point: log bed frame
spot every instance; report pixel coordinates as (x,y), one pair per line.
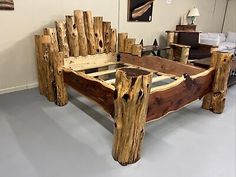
(81,52)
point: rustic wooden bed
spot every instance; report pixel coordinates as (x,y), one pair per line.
(134,90)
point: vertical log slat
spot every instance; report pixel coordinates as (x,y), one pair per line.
(89,30)
(113,40)
(121,41)
(106,36)
(99,45)
(137,50)
(129,42)
(79,21)
(72,35)
(62,38)
(215,100)
(52,32)
(61,97)
(130,103)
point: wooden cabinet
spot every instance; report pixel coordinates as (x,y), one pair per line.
(186,27)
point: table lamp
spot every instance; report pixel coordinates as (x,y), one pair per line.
(193,13)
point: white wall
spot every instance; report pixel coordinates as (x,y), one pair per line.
(17,57)
(230,20)
(166,16)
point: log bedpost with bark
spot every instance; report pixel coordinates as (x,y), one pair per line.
(215,101)
(61,97)
(130,103)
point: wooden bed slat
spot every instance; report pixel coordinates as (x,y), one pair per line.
(160,78)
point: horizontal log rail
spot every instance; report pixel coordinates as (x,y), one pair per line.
(171,97)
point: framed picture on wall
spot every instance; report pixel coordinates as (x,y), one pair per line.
(140,10)
(6,5)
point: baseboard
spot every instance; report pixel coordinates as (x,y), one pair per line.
(18,88)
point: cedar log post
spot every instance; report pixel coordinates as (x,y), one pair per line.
(99,46)
(215,101)
(130,103)
(121,41)
(129,42)
(61,97)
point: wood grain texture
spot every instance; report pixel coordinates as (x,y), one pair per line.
(61,97)
(106,26)
(72,35)
(79,21)
(183,91)
(130,102)
(52,32)
(129,42)
(98,33)
(92,88)
(113,40)
(215,101)
(121,41)
(62,38)
(161,65)
(89,31)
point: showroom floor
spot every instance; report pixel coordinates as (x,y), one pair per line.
(39,139)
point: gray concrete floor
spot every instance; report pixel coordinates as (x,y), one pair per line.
(39,139)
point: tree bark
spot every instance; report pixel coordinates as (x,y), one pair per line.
(99,45)
(62,38)
(79,21)
(106,36)
(215,101)
(72,35)
(130,103)
(113,40)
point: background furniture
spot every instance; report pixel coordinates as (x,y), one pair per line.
(190,38)
(225,41)
(186,27)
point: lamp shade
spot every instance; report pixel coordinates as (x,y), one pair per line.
(194,12)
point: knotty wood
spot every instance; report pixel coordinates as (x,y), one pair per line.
(161,65)
(121,41)
(89,31)
(61,97)
(72,35)
(137,50)
(62,38)
(113,40)
(170,37)
(106,36)
(52,32)
(98,33)
(177,94)
(215,100)
(129,42)
(92,88)
(130,102)
(79,21)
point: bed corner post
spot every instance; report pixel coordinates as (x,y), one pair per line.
(61,97)
(130,102)
(215,101)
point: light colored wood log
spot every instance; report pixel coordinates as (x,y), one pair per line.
(129,42)
(52,32)
(106,26)
(121,41)
(130,102)
(61,97)
(79,21)
(45,70)
(113,40)
(99,45)
(89,31)
(170,37)
(79,63)
(39,56)
(184,55)
(215,100)
(137,50)
(62,38)
(72,35)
